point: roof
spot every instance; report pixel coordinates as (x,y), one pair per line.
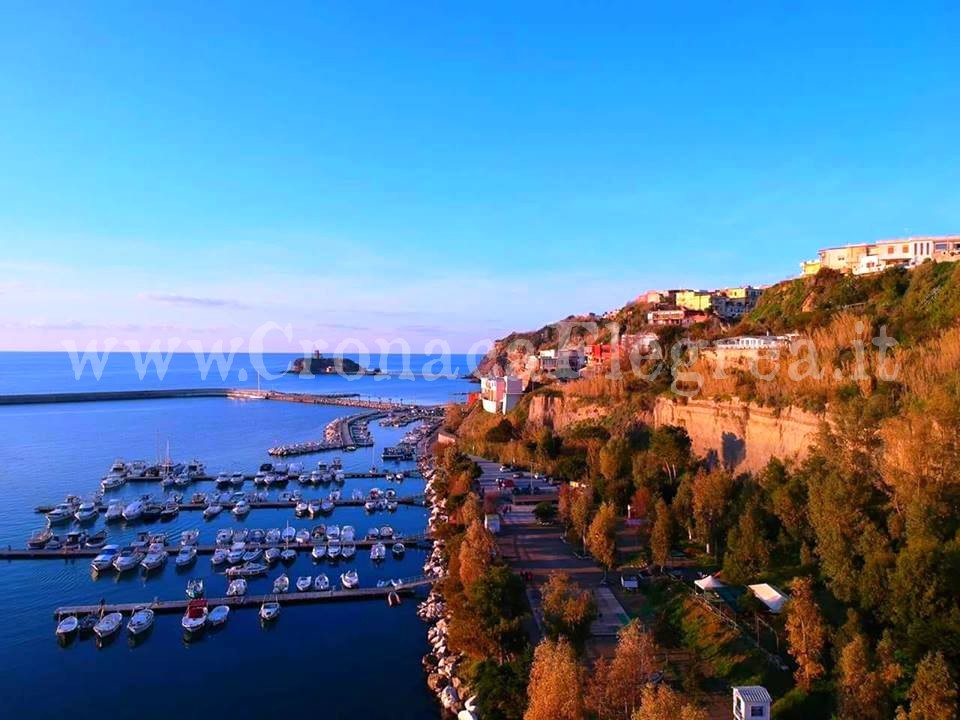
(755,694)
(708,583)
(769,596)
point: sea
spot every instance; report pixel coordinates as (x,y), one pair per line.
(341,660)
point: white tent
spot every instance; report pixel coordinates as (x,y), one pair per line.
(708,583)
(769,596)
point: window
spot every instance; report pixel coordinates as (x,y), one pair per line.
(890,250)
(756,711)
(906,248)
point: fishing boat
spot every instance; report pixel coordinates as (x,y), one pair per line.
(155,558)
(272,554)
(61,513)
(127,559)
(288,534)
(211,511)
(140,621)
(378,552)
(333,549)
(269,611)
(218,616)
(114,511)
(195,616)
(350,579)
(398,549)
(321,583)
(319,551)
(67,626)
(107,625)
(288,555)
(104,561)
(133,511)
(97,540)
(348,550)
(241,509)
(219,557)
(39,538)
(186,556)
(86,512)
(304,583)
(281,584)
(237,587)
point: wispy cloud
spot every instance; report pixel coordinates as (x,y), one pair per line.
(192,301)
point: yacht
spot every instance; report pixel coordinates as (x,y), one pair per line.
(398,549)
(96,541)
(195,616)
(301,508)
(104,560)
(347,533)
(281,584)
(39,538)
(378,552)
(223,480)
(108,625)
(235,555)
(186,556)
(224,536)
(140,621)
(133,511)
(74,540)
(112,482)
(350,579)
(195,469)
(272,554)
(319,551)
(236,480)
(288,555)
(313,507)
(321,583)
(114,511)
(127,559)
(241,509)
(303,536)
(67,626)
(237,587)
(219,556)
(211,511)
(348,550)
(119,467)
(156,557)
(195,588)
(218,616)
(269,611)
(304,583)
(61,513)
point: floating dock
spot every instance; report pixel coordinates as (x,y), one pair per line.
(413,500)
(249,478)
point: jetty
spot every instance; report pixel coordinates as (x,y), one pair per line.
(413,500)
(402,587)
(248,478)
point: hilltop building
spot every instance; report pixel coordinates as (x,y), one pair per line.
(500,394)
(867,258)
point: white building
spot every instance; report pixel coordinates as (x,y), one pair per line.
(751,701)
(500,394)
(752,342)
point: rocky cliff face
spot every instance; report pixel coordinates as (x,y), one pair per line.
(741,436)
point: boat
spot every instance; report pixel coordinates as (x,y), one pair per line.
(87,512)
(195,616)
(235,555)
(378,552)
(347,533)
(237,587)
(224,536)
(398,549)
(321,583)
(169,510)
(373,533)
(253,553)
(301,508)
(272,536)
(140,621)
(187,554)
(390,494)
(313,507)
(156,557)
(219,557)
(107,625)
(61,513)
(350,579)
(247,570)
(348,550)
(288,555)
(218,616)
(333,549)
(67,626)
(189,537)
(271,554)
(269,611)
(112,481)
(97,540)
(127,559)
(119,467)
(241,509)
(236,480)
(241,535)
(303,536)
(87,623)
(370,505)
(281,584)
(304,583)
(104,560)
(39,538)
(288,534)
(54,543)
(195,588)
(392,505)
(211,511)
(133,511)
(74,539)
(151,511)
(386,532)
(333,532)
(319,551)
(114,511)
(327,506)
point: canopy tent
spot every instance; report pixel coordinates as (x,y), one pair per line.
(769,596)
(708,583)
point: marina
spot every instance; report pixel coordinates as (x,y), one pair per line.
(257,505)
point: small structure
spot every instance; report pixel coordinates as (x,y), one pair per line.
(500,394)
(492,523)
(751,701)
(769,596)
(629,582)
(708,583)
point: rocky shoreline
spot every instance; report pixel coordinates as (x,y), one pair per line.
(441,664)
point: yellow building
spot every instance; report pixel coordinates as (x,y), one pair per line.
(694,299)
(810,267)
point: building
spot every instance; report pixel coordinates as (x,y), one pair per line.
(867,258)
(599,353)
(694,299)
(732,304)
(568,361)
(500,394)
(751,701)
(753,342)
(676,316)
(640,343)
(810,267)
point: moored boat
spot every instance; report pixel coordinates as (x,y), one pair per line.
(104,560)
(321,583)
(195,616)
(281,584)
(195,588)
(140,621)
(304,583)
(218,616)
(67,626)
(107,625)
(186,556)
(39,538)
(237,587)
(350,579)
(270,611)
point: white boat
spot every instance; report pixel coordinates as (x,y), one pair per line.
(269,611)
(189,537)
(140,621)
(333,532)
(321,583)
(281,584)
(195,616)
(224,536)
(319,551)
(67,626)
(195,588)
(288,555)
(347,533)
(288,534)
(156,557)
(39,538)
(237,587)
(253,553)
(313,507)
(133,511)
(211,511)
(127,559)
(304,583)
(112,481)
(235,555)
(327,506)
(119,467)
(273,536)
(218,616)
(241,509)
(114,511)
(398,549)
(187,554)
(247,570)
(373,533)
(370,505)
(301,508)
(303,536)
(104,560)
(219,556)
(61,513)
(271,554)
(236,480)
(350,579)
(87,511)
(333,549)
(386,532)
(348,550)
(378,552)
(392,505)
(108,625)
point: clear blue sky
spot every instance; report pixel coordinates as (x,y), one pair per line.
(449,169)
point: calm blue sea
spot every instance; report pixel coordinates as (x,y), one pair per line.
(342,659)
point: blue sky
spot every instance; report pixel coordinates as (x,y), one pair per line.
(444,169)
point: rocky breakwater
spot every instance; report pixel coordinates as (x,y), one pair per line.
(441,663)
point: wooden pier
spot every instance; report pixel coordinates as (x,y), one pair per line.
(254,601)
(411,500)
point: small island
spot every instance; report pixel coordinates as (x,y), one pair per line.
(317,364)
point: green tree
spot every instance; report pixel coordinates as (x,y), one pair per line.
(614,691)
(545,512)
(567,609)
(860,686)
(748,552)
(806,633)
(712,494)
(662,536)
(602,536)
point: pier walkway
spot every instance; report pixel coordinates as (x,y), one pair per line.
(412,500)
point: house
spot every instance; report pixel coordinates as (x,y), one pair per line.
(599,353)
(640,343)
(694,299)
(769,596)
(567,361)
(867,258)
(810,267)
(751,701)
(500,394)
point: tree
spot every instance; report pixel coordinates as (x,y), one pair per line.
(581,510)
(555,690)
(661,539)
(933,695)
(568,610)
(615,690)
(602,536)
(748,551)
(712,491)
(545,512)
(671,445)
(806,633)
(615,458)
(501,690)
(477,552)
(471,510)
(860,687)
(663,703)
